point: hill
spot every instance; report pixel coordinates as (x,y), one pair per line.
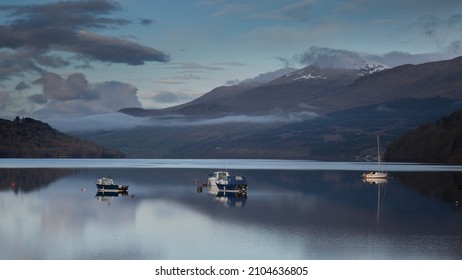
(310,113)
(31,138)
(325,90)
(439,142)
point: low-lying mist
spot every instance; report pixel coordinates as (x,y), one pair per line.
(120,121)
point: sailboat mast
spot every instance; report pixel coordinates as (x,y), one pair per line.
(378,151)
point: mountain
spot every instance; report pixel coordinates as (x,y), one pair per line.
(31,138)
(325,90)
(291,92)
(439,142)
(310,113)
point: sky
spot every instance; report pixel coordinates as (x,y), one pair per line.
(68,59)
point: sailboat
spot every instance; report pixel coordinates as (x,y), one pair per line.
(379,174)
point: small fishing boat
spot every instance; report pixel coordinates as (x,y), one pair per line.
(107,184)
(232,184)
(223,181)
(215,176)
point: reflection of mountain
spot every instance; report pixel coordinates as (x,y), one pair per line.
(443,186)
(30,179)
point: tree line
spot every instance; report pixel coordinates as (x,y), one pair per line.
(26,137)
(439,142)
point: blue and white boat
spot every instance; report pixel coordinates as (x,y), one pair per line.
(107,184)
(232,183)
(223,181)
(215,176)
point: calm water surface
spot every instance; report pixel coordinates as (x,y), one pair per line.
(293,210)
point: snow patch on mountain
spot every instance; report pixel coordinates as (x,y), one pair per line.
(310,76)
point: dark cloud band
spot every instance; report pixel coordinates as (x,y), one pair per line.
(70,26)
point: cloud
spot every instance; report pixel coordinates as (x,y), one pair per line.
(330,58)
(17,62)
(396,58)
(65,26)
(166,97)
(191,66)
(443,31)
(75,96)
(145,21)
(278,116)
(299,10)
(111,49)
(38,98)
(21,86)
(295,11)
(58,88)
(114,121)
(4,96)
(234,10)
(99,122)
(340,58)
(263,78)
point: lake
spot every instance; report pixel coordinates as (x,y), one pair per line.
(300,210)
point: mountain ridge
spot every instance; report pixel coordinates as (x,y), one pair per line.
(310,113)
(324,90)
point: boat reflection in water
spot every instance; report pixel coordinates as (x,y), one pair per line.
(380,182)
(229,198)
(107,196)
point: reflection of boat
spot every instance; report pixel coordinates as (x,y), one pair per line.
(379,174)
(107,184)
(228,198)
(107,196)
(379,182)
(217,175)
(232,199)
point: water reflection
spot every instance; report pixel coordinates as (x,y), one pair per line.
(231,199)
(107,197)
(291,214)
(444,186)
(31,179)
(379,182)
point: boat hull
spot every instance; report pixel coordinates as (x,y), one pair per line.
(375,175)
(232,183)
(112,187)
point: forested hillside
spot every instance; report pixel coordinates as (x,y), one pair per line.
(27,137)
(439,142)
